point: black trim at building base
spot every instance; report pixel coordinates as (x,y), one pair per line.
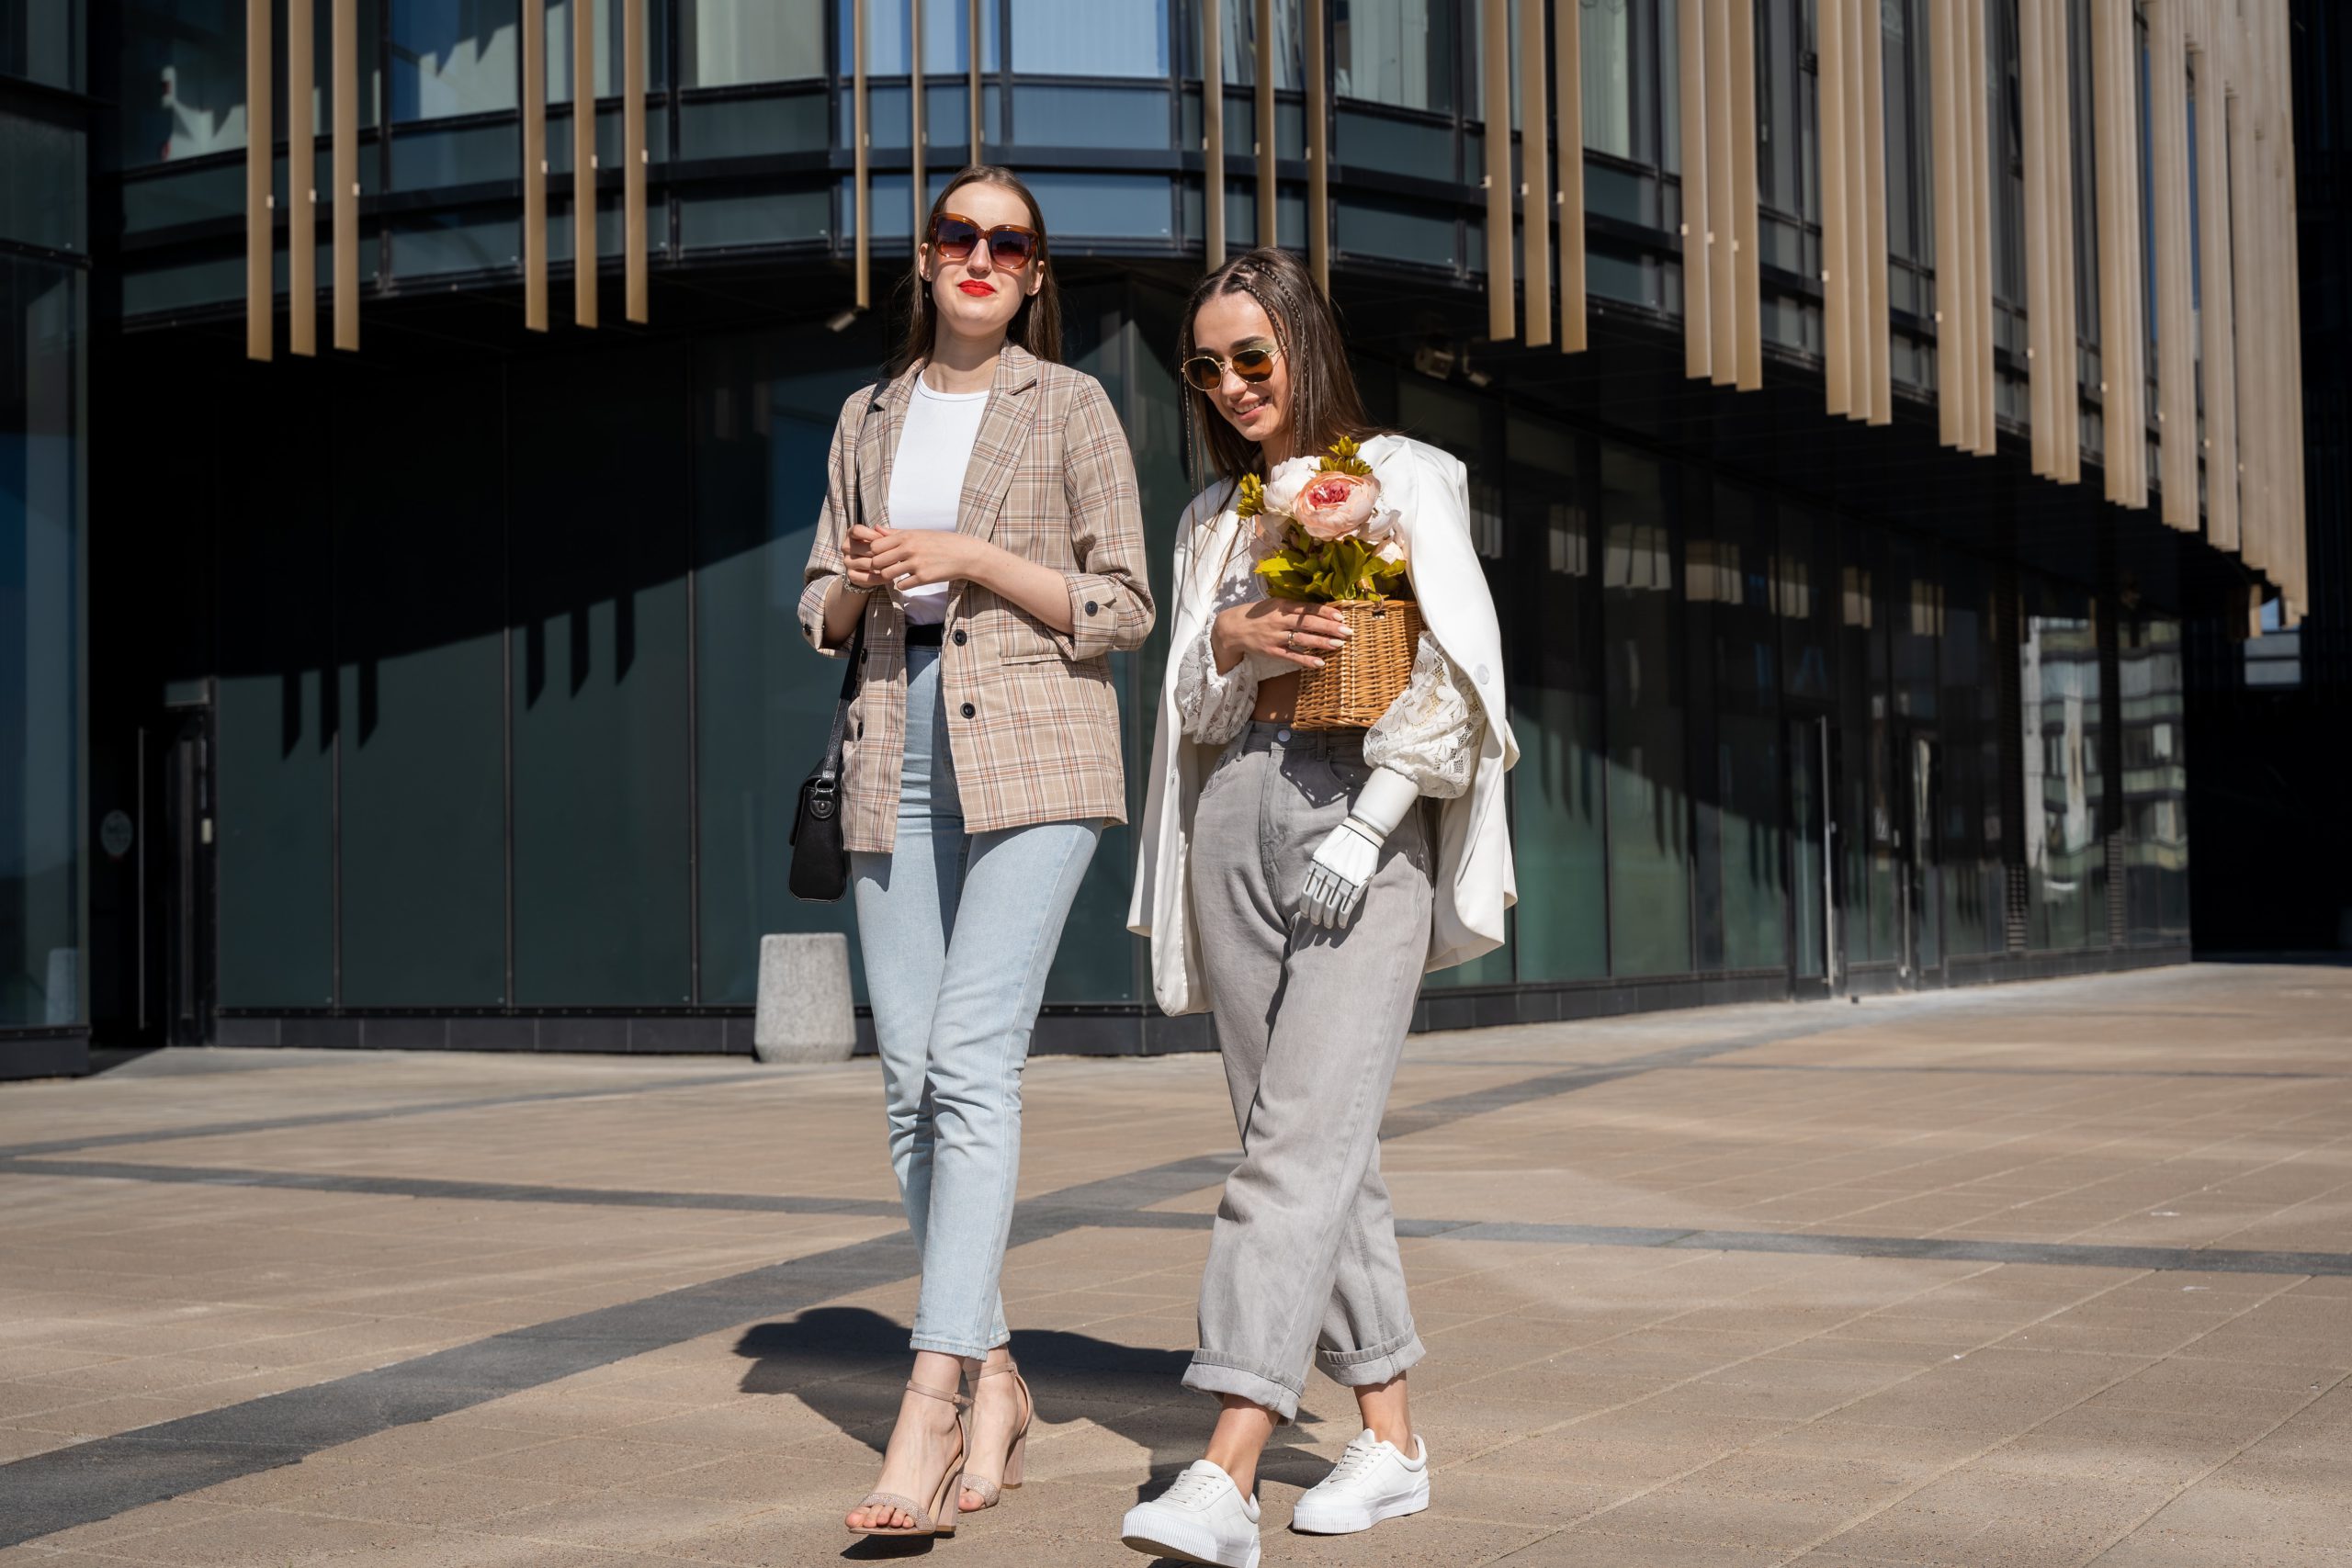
(1137,1029)
(44,1054)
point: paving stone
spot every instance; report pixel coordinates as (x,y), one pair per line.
(648,1328)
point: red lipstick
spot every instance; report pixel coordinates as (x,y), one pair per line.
(976,287)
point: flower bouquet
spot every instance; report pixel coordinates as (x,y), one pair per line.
(1322,536)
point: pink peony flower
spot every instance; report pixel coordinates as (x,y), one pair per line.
(1332,506)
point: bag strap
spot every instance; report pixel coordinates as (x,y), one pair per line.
(829,770)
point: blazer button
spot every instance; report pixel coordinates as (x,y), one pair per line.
(959,639)
(969,710)
(1090,607)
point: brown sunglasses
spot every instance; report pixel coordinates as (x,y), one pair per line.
(1254,364)
(1012,247)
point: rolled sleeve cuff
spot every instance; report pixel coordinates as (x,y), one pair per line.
(1099,611)
(812,615)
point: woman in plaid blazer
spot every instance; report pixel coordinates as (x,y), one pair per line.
(981,528)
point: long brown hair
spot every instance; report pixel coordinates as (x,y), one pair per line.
(1036,326)
(1324,403)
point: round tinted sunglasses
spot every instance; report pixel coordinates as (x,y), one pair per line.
(1207,371)
(1010,246)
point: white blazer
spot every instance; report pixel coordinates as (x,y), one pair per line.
(1474,881)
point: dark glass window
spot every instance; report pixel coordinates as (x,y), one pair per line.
(42,335)
(1969,836)
(1649,826)
(420,564)
(2155,779)
(1091,38)
(1551,621)
(599,668)
(1728,585)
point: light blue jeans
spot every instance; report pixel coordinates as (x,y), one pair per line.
(958,932)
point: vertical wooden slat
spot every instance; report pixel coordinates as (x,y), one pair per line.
(1262,56)
(1495,19)
(1836,277)
(633,155)
(2176,364)
(1855,259)
(1535,172)
(2253,399)
(2068,384)
(2290,362)
(1568,43)
(1953,405)
(535,165)
(918,137)
(301,182)
(1319,152)
(1980,232)
(1876,394)
(583,162)
(1698,306)
(261,304)
(344,42)
(1747,239)
(972,34)
(1722,295)
(2035,146)
(2215,306)
(1213,131)
(2115,123)
(860,175)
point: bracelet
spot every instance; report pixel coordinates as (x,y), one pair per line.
(1362,829)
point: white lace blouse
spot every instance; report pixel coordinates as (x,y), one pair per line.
(1429,733)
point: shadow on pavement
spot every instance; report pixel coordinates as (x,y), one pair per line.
(836,1361)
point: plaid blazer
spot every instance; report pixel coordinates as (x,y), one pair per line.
(1033,721)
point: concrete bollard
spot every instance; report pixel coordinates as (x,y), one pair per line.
(804,1009)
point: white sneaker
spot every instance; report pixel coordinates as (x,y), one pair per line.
(1202,1519)
(1372,1482)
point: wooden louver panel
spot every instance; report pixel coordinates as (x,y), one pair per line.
(301,193)
(1535,168)
(1263,57)
(1567,43)
(2169,186)
(583,163)
(1964,221)
(343,43)
(2115,129)
(535,165)
(2055,400)
(1698,337)
(1213,133)
(1721,301)
(261,302)
(1496,19)
(1319,156)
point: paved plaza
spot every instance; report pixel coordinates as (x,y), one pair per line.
(2045,1274)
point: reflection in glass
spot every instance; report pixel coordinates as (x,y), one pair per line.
(1728,582)
(1606,74)
(946,36)
(2058,677)
(183,79)
(1545,600)
(1969,833)
(42,324)
(1399,52)
(453,56)
(1649,845)
(2155,779)
(1091,38)
(724,43)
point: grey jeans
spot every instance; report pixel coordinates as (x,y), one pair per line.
(1311,1023)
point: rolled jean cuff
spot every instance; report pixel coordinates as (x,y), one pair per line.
(969,1349)
(1212,1373)
(1370,1369)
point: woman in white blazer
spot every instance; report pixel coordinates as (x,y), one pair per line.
(1297,884)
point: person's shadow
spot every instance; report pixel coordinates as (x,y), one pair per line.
(848,1365)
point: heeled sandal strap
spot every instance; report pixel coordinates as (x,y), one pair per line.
(1010,1366)
(954,1398)
(907,1506)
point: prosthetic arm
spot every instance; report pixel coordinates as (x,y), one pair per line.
(1342,865)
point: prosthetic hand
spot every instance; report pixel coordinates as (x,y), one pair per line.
(1343,864)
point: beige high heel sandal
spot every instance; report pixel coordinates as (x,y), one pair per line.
(991,1492)
(946,1502)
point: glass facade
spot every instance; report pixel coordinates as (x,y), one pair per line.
(508,720)
(44,317)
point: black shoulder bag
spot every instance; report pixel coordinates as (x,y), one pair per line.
(819,864)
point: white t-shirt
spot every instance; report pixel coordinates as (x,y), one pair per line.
(927,478)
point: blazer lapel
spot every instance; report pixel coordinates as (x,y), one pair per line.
(1005,424)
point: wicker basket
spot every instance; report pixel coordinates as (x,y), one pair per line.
(1356,684)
